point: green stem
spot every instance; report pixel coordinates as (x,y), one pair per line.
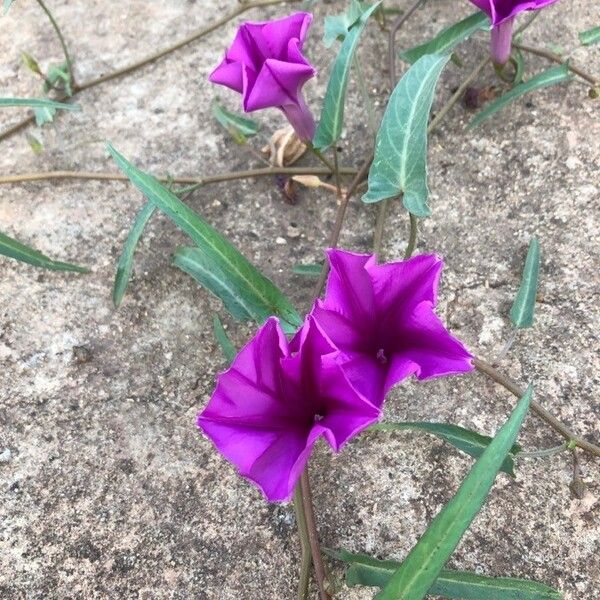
(304,545)
(412,239)
(61,39)
(378,233)
(320,156)
(336,170)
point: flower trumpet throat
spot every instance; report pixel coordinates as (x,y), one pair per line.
(266,65)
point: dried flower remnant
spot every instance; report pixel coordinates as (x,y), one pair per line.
(382,319)
(284,148)
(276,400)
(266,65)
(502,14)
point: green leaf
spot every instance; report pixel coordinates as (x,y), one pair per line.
(44,115)
(421,567)
(447,39)
(519,63)
(15,249)
(216,263)
(37,103)
(400,163)
(35,144)
(308,270)
(240,128)
(7,4)
(465,440)
(31,63)
(368,571)
(590,36)
(223,340)
(337,26)
(523,308)
(552,76)
(57,74)
(125,264)
(329,129)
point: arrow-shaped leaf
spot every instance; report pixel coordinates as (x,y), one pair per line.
(447,39)
(523,308)
(400,163)
(420,569)
(465,440)
(329,129)
(215,262)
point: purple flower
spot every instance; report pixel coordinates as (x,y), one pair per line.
(381,317)
(502,14)
(265,64)
(276,400)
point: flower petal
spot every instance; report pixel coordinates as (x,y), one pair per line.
(400,286)
(502,10)
(279,32)
(276,84)
(428,344)
(349,287)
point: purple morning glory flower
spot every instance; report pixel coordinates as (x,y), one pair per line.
(276,400)
(502,14)
(265,64)
(381,317)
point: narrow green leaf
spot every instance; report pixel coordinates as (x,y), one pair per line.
(519,62)
(15,249)
(368,571)
(337,26)
(329,129)
(31,63)
(308,270)
(400,163)
(240,128)
(217,263)
(35,144)
(223,340)
(421,567)
(37,103)
(552,76)
(590,36)
(523,308)
(447,39)
(7,4)
(125,264)
(465,440)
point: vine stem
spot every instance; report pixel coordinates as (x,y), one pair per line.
(558,59)
(61,39)
(126,70)
(196,181)
(339,221)
(305,560)
(313,536)
(484,367)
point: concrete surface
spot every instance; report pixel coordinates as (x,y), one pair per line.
(107,490)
